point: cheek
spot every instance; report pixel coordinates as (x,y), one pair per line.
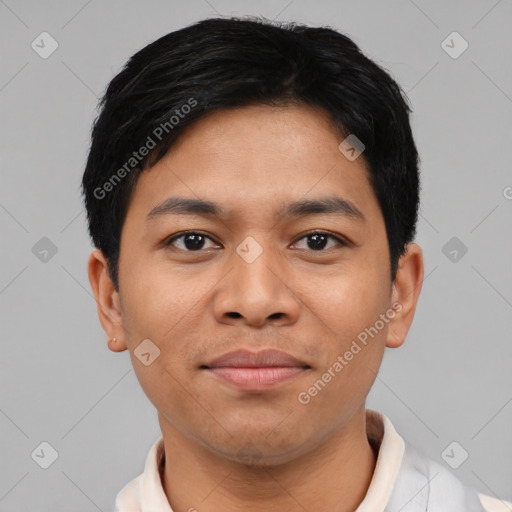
(152,309)
(167,306)
(353,352)
(346,302)
(156,300)
(346,316)
(335,395)
(169,391)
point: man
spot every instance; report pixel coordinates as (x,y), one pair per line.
(252,191)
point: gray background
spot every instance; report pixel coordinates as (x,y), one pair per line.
(59,383)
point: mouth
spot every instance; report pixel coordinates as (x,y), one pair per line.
(256,371)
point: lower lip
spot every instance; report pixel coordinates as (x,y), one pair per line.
(256,379)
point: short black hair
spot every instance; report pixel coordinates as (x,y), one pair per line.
(222,63)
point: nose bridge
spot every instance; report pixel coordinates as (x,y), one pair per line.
(256,266)
(256,287)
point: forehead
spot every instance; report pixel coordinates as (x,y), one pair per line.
(255,161)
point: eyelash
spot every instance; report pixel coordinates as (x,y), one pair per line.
(169,241)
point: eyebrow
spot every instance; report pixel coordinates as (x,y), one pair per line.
(303,207)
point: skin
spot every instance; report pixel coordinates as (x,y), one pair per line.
(309,303)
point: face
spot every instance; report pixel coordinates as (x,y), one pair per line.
(256,277)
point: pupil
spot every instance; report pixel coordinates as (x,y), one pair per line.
(318,245)
(194,241)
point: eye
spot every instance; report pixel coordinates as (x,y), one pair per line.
(319,239)
(194,241)
(191,241)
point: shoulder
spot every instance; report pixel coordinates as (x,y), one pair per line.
(436,488)
(491,504)
(128,497)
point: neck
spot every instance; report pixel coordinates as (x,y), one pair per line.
(335,476)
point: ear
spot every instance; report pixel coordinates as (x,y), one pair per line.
(405,293)
(107,301)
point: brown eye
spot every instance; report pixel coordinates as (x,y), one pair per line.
(190,241)
(318,240)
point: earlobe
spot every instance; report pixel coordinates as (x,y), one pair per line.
(405,293)
(116,345)
(107,300)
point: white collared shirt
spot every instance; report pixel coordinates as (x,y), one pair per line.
(398,482)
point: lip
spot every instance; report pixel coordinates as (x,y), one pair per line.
(256,371)
(267,358)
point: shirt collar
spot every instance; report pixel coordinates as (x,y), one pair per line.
(145,493)
(382,434)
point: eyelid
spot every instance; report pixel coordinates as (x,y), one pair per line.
(338,238)
(168,241)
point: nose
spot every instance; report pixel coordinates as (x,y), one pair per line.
(256,293)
